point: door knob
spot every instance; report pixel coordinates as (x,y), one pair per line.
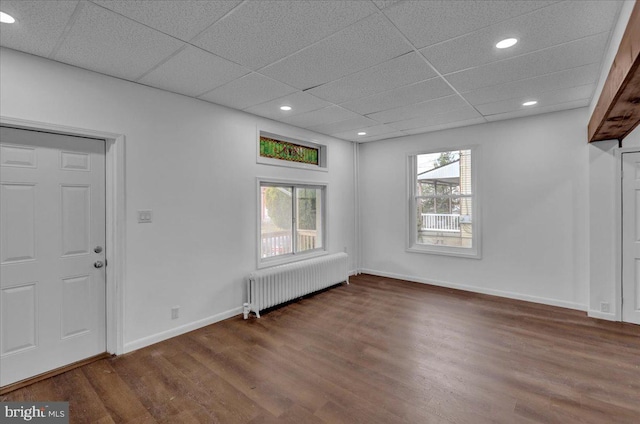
(98,249)
(98,264)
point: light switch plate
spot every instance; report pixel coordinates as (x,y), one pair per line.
(145,217)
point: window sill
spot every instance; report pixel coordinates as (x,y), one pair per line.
(283,260)
(472,253)
(287,164)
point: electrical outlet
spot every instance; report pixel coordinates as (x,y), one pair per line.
(145,217)
(604,307)
(175,312)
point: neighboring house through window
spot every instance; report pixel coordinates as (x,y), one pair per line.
(444,216)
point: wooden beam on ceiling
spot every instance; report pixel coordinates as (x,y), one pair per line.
(617,112)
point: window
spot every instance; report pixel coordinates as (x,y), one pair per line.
(274,149)
(444,217)
(283,150)
(291,221)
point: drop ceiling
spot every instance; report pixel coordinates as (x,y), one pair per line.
(387,68)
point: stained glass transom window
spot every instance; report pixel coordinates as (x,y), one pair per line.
(283,150)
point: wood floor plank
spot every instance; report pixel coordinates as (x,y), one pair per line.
(241,375)
(224,402)
(84,403)
(159,388)
(119,399)
(46,389)
(377,350)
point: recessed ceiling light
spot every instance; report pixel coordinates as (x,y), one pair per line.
(530,103)
(362,133)
(506,43)
(6,19)
(285,107)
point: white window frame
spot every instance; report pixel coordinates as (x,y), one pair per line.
(294,256)
(322,152)
(474,251)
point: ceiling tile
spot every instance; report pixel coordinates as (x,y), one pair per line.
(383,4)
(335,61)
(537,111)
(441,105)
(403,70)
(260,32)
(38,27)
(360,46)
(543,99)
(299,102)
(403,96)
(570,55)
(462,114)
(106,42)
(440,127)
(346,125)
(387,136)
(573,77)
(430,22)
(535,31)
(192,72)
(326,115)
(371,131)
(182,19)
(248,91)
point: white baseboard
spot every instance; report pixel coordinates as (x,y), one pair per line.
(602,315)
(500,293)
(173,332)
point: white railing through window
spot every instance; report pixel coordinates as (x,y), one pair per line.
(279,243)
(440,222)
(276,243)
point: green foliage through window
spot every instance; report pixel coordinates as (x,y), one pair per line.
(278,202)
(283,150)
(306,209)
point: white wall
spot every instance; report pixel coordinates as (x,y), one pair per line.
(194,165)
(534,197)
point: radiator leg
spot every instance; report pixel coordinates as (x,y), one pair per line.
(245,310)
(257,314)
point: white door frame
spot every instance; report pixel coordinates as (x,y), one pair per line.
(115,220)
(618,218)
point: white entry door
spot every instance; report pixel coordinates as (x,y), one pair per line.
(631,237)
(52,240)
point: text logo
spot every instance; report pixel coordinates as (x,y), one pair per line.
(35,412)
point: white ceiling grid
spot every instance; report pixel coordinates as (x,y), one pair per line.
(386,67)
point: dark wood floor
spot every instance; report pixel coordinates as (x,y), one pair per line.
(376,351)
